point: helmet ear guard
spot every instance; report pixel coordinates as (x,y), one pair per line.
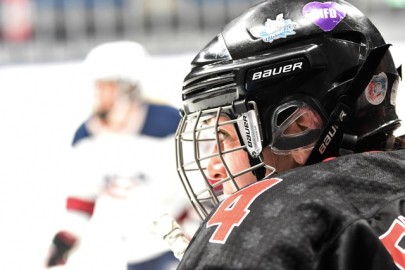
(296,123)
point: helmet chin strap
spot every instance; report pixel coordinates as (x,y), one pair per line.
(260,172)
(336,138)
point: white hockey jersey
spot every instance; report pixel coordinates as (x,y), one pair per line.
(119,185)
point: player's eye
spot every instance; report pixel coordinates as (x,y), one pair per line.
(223,135)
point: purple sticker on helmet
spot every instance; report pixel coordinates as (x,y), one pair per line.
(325,15)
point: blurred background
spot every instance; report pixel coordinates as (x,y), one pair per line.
(59,30)
(47,30)
(44,96)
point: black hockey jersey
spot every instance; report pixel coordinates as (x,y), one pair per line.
(344,214)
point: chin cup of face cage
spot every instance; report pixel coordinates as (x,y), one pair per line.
(295,126)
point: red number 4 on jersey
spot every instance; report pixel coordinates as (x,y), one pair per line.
(234,209)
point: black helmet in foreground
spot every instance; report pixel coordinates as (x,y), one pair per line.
(277,61)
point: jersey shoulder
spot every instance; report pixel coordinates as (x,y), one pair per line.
(312,204)
(161,120)
(81,133)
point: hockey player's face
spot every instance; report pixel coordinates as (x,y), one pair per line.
(106,95)
(233,160)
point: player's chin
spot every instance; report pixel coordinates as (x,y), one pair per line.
(218,188)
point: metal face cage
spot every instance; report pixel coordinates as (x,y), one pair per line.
(200,140)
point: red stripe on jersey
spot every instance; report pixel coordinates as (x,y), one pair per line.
(81,205)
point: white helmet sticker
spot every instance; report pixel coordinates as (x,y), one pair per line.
(275,29)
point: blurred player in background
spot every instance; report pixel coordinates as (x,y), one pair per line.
(117,70)
(116,190)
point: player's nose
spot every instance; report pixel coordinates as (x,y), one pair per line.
(215,169)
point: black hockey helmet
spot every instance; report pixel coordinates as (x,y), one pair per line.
(280,57)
